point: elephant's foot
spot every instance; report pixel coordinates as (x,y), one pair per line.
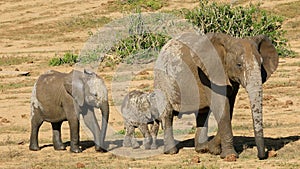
(130,142)
(34,147)
(75,148)
(202,148)
(135,144)
(154,146)
(229,154)
(146,143)
(127,141)
(100,149)
(170,147)
(208,146)
(59,146)
(172,150)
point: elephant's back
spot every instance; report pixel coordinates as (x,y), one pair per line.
(49,83)
(136,108)
(49,92)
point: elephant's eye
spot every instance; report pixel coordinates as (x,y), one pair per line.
(239,65)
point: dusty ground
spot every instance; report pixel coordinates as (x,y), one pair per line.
(34,31)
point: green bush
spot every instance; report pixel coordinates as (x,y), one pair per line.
(150,4)
(239,22)
(68,58)
(127,48)
(140,46)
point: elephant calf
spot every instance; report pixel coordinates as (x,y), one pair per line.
(58,97)
(140,109)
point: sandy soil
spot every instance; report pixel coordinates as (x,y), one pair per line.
(32,32)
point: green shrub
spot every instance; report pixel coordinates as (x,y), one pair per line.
(68,58)
(239,22)
(127,48)
(121,132)
(140,46)
(149,4)
(154,4)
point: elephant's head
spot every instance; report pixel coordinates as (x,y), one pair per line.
(241,57)
(89,90)
(86,88)
(249,62)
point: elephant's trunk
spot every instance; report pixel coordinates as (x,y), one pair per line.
(254,89)
(105,115)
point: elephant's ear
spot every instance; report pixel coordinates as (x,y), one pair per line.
(74,86)
(207,56)
(269,55)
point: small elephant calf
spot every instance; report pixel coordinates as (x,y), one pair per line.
(140,109)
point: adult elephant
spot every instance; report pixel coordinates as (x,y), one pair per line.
(57,97)
(202,73)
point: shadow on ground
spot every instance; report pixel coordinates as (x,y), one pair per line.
(84,144)
(242,142)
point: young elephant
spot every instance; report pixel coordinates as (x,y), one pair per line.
(58,97)
(140,109)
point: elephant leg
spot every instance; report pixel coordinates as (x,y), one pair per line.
(147,137)
(129,140)
(216,141)
(214,145)
(202,145)
(154,131)
(169,142)
(36,122)
(74,132)
(224,135)
(104,123)
(201,138)
(57,142)
(92,123)
(232,97)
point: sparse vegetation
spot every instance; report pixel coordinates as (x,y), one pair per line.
(289,9)
(68,58)
(130,5)
(141,46)
(297,64)
(21,84)
(126,49)
(12,60)
(121,132)
(82,23)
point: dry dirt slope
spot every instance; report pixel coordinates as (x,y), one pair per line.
(32,31)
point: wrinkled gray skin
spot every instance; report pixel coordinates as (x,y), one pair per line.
(203,74)
(58,97)
(140,109)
